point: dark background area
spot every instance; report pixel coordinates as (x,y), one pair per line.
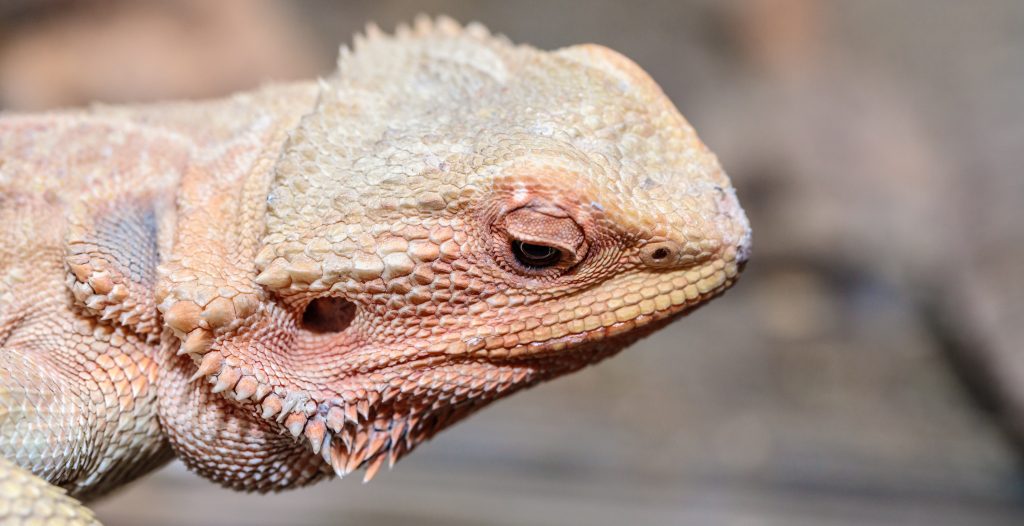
(867,369)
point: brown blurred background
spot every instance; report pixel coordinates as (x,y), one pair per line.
(866,371)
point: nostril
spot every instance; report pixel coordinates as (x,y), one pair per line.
(660,254)
(327,315)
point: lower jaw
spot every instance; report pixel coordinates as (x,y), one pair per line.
(372,420)
(572,340)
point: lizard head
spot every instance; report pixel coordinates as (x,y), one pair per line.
(459,218)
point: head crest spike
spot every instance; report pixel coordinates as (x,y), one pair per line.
(403,31)
(344,53)
(422,24)
(358,41)
(373,31)
(477,30)
(447,26)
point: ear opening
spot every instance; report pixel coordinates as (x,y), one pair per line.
(328,315)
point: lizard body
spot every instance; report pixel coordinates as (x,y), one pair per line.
(310,279)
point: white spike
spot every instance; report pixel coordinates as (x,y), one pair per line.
(403,31)
(447,26)
(290,401)
(373,31)
(423,25)
(477,30)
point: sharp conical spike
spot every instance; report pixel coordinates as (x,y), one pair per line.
(315,431)
(373,467)
(335,418)
(389,394)
(272,405)
(339,458)
(362,438)
(354,460)
(211,363)
(227,379)
(326,443)
(397,430)
(346,438)
(295,422)
(198,341)
(395,453)
(377,443)
(326,450)
(262,390)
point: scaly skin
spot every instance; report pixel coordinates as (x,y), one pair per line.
(311,279)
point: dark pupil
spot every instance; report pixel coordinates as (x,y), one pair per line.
(533,255)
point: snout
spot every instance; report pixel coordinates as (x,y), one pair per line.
(743,250)
(737,226)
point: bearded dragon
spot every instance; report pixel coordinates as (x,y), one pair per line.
(313,278)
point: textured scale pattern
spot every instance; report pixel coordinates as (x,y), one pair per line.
(312,279)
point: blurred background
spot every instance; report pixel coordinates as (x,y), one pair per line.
(866,371)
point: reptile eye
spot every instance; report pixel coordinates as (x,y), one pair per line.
(539,241)
(534,256)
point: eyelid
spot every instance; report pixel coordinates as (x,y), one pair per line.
(537,227)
